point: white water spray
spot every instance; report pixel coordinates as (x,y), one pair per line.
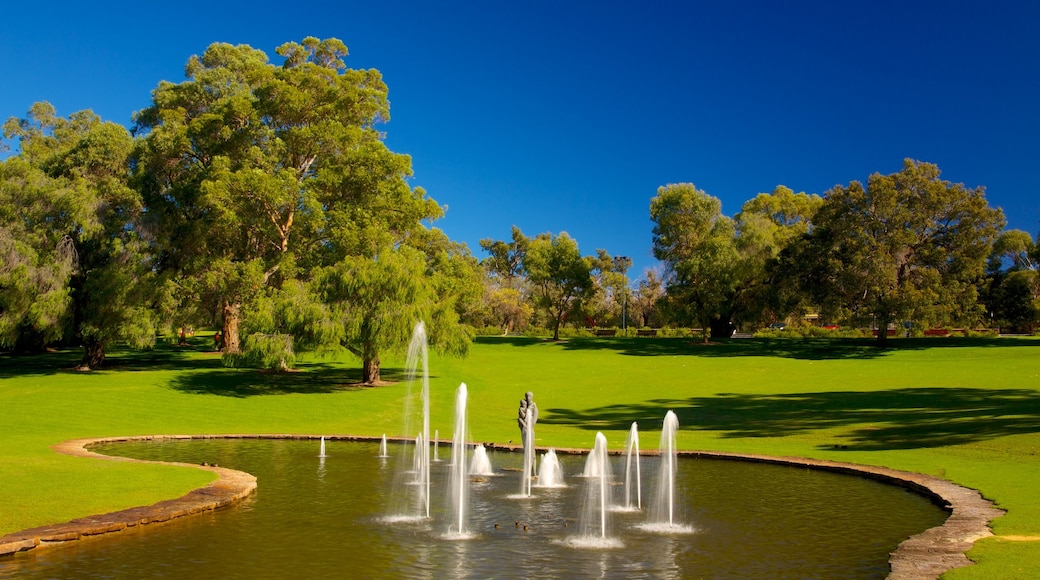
(550,472)
(481,463)
(632,460)
(459,489)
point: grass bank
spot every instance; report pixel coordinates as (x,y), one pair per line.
(964,409)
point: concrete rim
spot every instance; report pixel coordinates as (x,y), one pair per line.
(925,555)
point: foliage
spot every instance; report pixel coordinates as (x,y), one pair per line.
(74,261)
(560,277)
(765,225)
(257,174)
(908,246)
(695,241)
(1012,290)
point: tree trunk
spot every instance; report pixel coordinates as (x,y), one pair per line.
(93,355)
(882,333)
(370,370)
(229,329)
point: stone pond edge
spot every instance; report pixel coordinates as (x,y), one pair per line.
(925,555)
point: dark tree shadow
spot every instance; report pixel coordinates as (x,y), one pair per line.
(311,378)
(893,419)
(794,348)
(164,356)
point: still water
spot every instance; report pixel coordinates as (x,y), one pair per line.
(317,517)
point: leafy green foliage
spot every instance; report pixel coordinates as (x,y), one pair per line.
(695,241)
(908,246)
(75,263)
(560,277)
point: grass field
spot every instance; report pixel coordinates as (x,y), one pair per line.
(964,409)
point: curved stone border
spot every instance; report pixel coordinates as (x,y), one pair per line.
(231,486)
(925,555)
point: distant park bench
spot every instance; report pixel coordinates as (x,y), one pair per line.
(646,332)
(937,332)
(606,331)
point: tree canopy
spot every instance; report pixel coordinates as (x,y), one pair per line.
(75,263)
(696,243)
(907,247)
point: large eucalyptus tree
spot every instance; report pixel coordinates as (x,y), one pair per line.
(266,182)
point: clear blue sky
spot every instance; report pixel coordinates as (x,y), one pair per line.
(567,116)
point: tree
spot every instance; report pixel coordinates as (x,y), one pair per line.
(506,294)
(559,275)
(611,293)
(73,234)
(907,247)
(256,175)
(695,242)
(505,261)
(766,225)
(1012,291)
(1017,247)
(36,262)
(645,299)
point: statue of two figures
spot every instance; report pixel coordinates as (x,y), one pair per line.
(527,416)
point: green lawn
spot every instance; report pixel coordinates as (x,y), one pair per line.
(965,409)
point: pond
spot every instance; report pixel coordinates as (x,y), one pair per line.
(317,517)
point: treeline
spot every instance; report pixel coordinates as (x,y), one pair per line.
(906,252)
(261,200)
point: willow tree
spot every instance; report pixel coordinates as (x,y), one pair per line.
(74,264)
(695,242)
(909,246)
(256,174)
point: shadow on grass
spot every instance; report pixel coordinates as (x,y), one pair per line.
(795,348)
(894,419)
(313,378)
(164,356)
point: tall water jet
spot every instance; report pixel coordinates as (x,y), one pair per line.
(459,488)
(550,473)
(321,449)
(418,363)
(662,515)
(436,444)
(593,521)
(632,460)
(382,446)
(481,463)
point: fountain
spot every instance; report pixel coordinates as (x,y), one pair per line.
(410,495)
(593,525)
(382,447)
(459,488)
(662,515)
(480,465)
(436,444)
(550,473)
(748,529)
(632,452)
(321,449)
